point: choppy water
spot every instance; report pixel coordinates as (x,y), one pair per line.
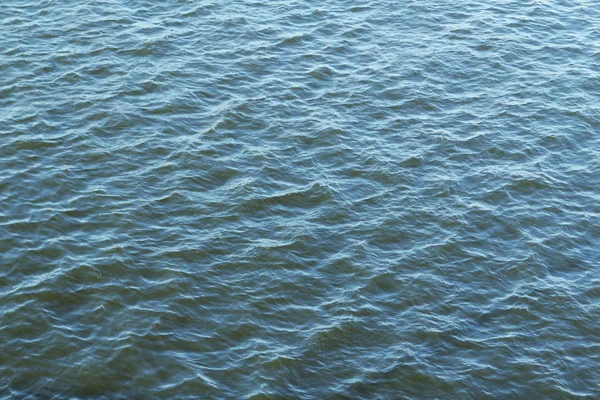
(300,199)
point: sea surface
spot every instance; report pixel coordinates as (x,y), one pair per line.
(292,199)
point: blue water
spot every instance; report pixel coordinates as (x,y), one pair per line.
(300,199)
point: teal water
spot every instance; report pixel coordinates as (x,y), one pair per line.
(300,199)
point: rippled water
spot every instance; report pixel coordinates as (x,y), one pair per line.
(300,199)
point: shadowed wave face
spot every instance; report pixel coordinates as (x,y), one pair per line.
(300,199)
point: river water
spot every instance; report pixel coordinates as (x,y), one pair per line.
(300,199)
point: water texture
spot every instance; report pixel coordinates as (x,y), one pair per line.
(300,199)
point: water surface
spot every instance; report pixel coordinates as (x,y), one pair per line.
(300,199)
